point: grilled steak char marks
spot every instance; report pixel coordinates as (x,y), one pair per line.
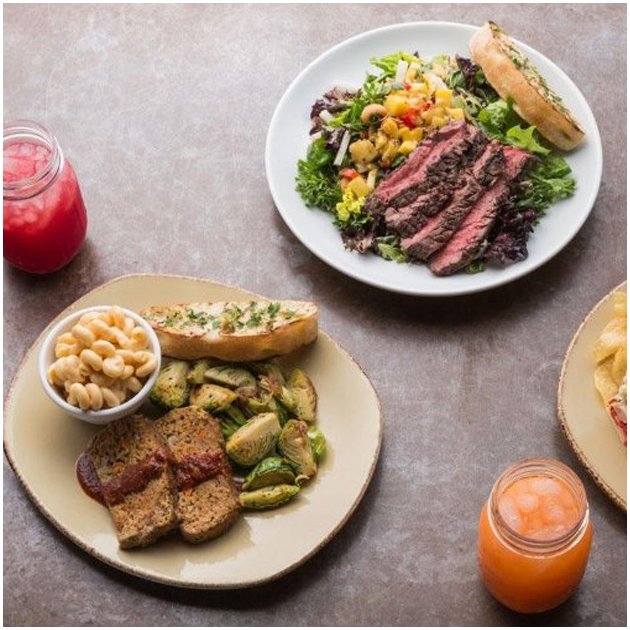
(402,185)
(466,243)
(439,228)
(410,208)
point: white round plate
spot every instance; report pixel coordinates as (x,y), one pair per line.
(42,444)
(581,413)
(347,63)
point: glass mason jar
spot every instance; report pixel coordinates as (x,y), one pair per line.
(44,214)
(534,536)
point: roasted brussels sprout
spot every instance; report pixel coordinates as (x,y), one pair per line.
(269,369)
(230,376)
(287,398)
(270,376)
(318,442)
(295,446)
(304,394)
(195,375)
(246,392)
(253,440)
(171,388)
(264,404)
(267,498)
(267,403)
(271,471)
(212,398)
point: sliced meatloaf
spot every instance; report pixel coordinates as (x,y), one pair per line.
(208,502)
(439,228)
(437,153)
(131,462)
(465,244)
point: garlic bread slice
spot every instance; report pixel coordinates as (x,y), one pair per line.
(233,331)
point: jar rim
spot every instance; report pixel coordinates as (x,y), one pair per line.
(544,467)
(34,184)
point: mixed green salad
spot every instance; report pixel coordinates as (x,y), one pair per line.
(359,137)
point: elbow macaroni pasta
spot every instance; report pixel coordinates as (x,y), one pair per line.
(102,361)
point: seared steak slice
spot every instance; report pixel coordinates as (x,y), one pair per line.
(440,149)
(410,218)
(444,168)
(438,229)
(410,209)
(465,244)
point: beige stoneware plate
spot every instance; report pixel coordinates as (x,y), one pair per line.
(581,413)
(42,445)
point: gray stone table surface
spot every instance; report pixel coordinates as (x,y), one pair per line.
(163,111)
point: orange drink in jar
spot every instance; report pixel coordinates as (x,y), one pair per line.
(534,536)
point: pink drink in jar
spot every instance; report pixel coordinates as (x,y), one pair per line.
(44,215)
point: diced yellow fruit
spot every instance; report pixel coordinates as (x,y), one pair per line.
(417,133)
(410,134)
(359,187)
(431,113)
(407,147)
(390,151)
(438,121)
(363,151)
(381,140)
(455,114)
(396,105)
(443,93)
(443,97)
(402,133)
(389,127)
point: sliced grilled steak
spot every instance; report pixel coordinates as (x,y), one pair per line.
(410,218)
(465,244)
(409,211)
(441,151)
(438,229)
(443,168)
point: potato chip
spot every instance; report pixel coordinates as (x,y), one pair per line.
(619,366)
(612,338)
(604,382)
(621,305)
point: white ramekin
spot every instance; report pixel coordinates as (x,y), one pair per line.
(104,416)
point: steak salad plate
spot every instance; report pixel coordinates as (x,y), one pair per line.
(400,53)
(43,442)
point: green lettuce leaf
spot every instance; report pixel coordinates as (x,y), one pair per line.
(524,138)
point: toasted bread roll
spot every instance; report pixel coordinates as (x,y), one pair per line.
(233,331)
(513,75)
